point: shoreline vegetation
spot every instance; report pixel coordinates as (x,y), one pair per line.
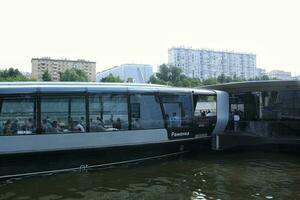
(166,75)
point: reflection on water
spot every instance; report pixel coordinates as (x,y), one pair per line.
(204,176)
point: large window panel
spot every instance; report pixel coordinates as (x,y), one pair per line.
(63,114)
(96,114)
(178,110)
(205,106)
(17,116)
(108,112)
(145,112)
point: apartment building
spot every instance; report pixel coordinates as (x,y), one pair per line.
(280,74)
(55,66)
(204,63)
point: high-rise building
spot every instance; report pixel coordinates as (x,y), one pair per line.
(55,66)
(280,74)
(137,73)
(203,63)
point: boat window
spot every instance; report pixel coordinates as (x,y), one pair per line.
(178,110)
(205,106)
(108,112)
(145,112)
(17,116)
(280,105)
(63,114)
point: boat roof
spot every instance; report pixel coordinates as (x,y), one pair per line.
(91,87)
(255,86)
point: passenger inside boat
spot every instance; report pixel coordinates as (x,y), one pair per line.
(55,127)
(175,120)
(136,124)
(7,130)
(78,127)
(117,124)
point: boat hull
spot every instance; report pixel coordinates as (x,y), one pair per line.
(25,164)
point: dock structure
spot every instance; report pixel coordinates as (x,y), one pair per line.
(262,114)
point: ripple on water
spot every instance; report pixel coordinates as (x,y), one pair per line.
(215,176)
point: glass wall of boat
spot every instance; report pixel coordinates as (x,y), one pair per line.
(269,113)
(32,114)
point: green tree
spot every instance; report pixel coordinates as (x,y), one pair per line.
(154,80)
(73,75)
(265,77)
(175,74)
(168,74)
(221,78)
(210,81)
(163,73)
(112,78)
(12,74)
(46,76)
(171,75)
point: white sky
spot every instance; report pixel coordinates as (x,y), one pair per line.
(114,32)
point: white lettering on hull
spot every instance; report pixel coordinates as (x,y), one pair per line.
(173,134)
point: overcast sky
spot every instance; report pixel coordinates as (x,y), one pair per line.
(114,32)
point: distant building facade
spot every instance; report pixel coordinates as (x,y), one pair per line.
(203,63)
(297,77)
(260,72)
(280,74)
(55,66)
(137,73)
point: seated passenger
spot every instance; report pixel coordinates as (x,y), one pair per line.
(55,127)
(78,127)
(82,121)
(100,125)
(209,114)
(29,125)
(117,124)
(15,126)
(46,126)
(136,124)
(175,120)
(99,121)
(7,128)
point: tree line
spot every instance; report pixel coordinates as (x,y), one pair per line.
(171,75)
(11,74)
(166,75)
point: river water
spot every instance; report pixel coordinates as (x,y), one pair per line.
(207,175)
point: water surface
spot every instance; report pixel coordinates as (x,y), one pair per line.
(209,175)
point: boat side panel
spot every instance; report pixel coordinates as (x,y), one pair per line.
(69,141)
(222,112)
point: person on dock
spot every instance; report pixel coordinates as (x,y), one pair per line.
(236,120)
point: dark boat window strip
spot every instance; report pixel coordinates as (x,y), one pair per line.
(78,108)
(87,113)
(38,114)
(18,115)
(145,112)
(129,112)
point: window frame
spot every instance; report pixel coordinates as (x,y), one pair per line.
(38,96)
(73,94)
(125,94)
(32,96)
(155,95)
(189,94)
